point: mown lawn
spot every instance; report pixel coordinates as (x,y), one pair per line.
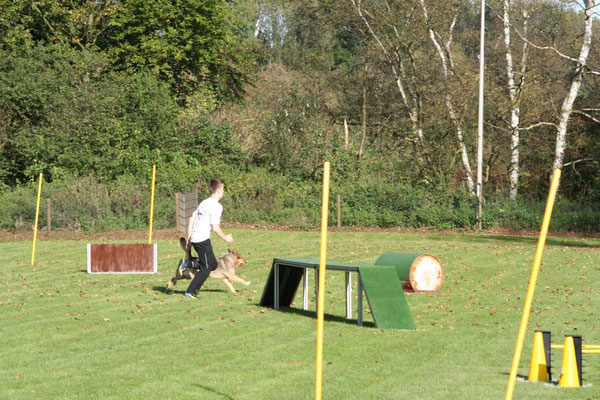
(65,334)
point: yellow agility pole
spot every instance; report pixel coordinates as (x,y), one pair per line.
(37,215)
(591,347)
(532,282)
(321,292)
(590,351)
(152,204)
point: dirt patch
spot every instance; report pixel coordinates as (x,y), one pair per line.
(423,231)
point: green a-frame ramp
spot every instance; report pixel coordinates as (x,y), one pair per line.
(386,298)
(381,284)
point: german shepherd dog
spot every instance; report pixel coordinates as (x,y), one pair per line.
(228,262)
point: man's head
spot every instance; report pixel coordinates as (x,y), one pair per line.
(216,188)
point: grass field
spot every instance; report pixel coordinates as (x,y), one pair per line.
(65,334)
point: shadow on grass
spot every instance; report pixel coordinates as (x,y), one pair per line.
(328,317)
(211,390)
(526,378)
(528,240)
(164,290)
(519,376)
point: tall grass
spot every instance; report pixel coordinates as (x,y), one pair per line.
(66,334)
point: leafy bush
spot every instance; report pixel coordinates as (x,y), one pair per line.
(69,113)
(258,196)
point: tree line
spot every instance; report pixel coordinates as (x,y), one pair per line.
(385,89)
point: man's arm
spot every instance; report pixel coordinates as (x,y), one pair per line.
(219,232)
(191,222)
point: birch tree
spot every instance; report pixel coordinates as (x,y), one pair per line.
(444,52)
(514,91)
(397,53)
(516,76)
(576,78)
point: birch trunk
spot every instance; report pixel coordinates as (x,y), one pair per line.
(448,98)
(346,141)
(514,92)
(363,139)
(567,105)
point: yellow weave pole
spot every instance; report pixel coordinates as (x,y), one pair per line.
(37,216)
(152,204)
(532,282)
(322,271)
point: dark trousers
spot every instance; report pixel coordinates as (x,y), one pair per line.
(206,263)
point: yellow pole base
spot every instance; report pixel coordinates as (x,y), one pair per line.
(569,375)
(538,368)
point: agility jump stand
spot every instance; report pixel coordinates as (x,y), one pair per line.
(571,374)
(185,205)
(383,284)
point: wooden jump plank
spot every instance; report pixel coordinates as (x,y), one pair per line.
(122,258)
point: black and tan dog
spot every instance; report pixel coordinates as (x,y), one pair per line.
(228,262)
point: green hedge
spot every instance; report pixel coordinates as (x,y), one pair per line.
(258,196)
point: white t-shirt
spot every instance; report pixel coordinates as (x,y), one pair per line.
(206,215)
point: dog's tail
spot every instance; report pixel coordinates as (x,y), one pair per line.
(184,246)
(172,283)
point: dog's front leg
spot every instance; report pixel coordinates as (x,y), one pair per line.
(229,285)
(239,280)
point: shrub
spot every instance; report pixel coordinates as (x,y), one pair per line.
(258,196)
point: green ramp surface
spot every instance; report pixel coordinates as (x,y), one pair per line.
(386,298)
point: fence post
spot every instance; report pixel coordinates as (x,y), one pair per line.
(48,215)
(177,212)
(339,211)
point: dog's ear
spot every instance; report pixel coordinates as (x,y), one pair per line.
(229,251)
